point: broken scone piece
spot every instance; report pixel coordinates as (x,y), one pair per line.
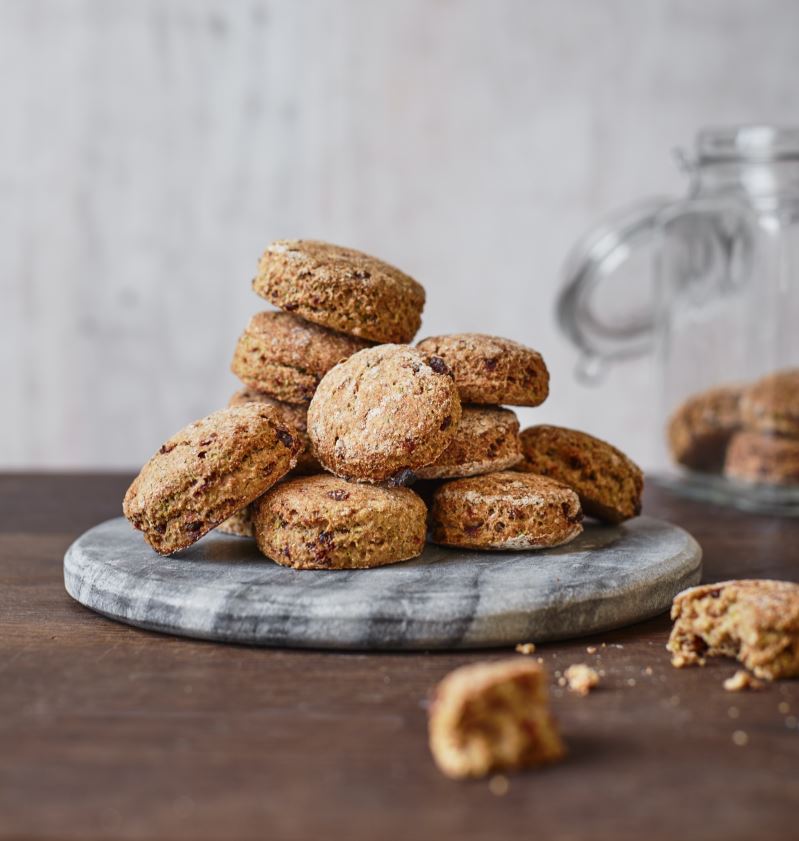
(755,621)
(492,717)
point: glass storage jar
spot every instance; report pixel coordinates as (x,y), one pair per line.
(722,320)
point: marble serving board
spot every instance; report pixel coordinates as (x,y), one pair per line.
(223,589)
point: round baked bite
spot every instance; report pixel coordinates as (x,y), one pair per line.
(238,524)
(487,440)
(206,472)
(286,357)
(772,404)
(763,459)
(383,413)
(294,415)
(700,429)
(505,511)
(608,483)
(341,288)
(491,370)
(323,522)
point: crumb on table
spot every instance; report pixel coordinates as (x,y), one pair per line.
(526,648)
(581,678)
(742,680)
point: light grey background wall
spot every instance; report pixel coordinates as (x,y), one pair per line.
(149,149)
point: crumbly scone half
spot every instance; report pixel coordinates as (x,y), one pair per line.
(762,458)
(323,522)
(487,440)
(609,484)
(490,370)
(238,524)
(700,429)
(286,357)
(755,621)
(772,404)
(341,288)
(383,413)
(208,471)
(505,511)
(493,716)
(294,415)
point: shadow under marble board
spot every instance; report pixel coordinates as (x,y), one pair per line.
(223,589)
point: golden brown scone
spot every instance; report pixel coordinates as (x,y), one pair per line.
(323,522)
(238,524)
(493,717)
(755,621)
(700,429)
(490,370)
(206,472)
(763,459)
(341,288)
(383,413)
(487,440)
(294,415)
(285,357)
(505,511)
(772,404)
(608,483)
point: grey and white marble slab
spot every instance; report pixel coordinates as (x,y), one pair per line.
(223,589)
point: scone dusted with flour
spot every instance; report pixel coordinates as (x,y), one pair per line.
(208,471)
(493,717)
(754,621)
(384,413)
(505,511)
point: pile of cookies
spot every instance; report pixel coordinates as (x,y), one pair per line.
(750,433)
(339,417)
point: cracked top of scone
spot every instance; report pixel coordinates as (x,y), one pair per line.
(341,288)
(383,413)
(288,340)
(491,370)
(208,471)
(772,403)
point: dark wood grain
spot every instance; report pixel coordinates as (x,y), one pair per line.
(111,732)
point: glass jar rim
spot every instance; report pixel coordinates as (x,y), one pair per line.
(747,143)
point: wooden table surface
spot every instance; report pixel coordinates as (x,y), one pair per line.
(111,732)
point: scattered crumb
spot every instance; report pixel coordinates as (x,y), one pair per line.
(591,649)
(784,707)
(631,681)
(561,681)
(742,680)
(604,645)
(526,647)
(581,678)
(648,670)
(498,785)
(733,712)
(740,738)
(540,659)
(791,722)
(679,661)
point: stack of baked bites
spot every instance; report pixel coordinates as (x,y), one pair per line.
(748,432)
(339,413)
